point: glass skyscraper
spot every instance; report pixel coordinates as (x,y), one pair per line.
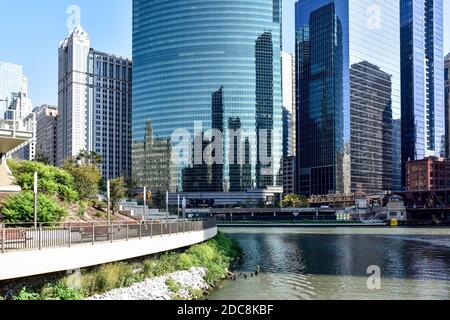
(447,104)
(202,67)
(422,71)
(348,96)
(12,81)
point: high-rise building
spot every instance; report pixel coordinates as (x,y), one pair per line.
(46,133)
(422,74)
(94,105)
(20,107)
(447,104)
(203,67)
(289,105)
(12,81)
(348,82)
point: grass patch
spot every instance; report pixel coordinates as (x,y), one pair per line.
(173,286)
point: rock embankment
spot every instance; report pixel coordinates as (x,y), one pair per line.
(185,284)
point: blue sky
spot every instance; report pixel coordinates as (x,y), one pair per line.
(32,30)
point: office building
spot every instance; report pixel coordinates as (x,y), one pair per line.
(348,82)
(447,104)
(203,67)
(422,74)
(46,133)
(431,173)
(12,81)
(94,101)
(289,105)
(289,175)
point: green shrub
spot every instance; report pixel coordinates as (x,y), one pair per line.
(20,208)
(82,206)
(25,295)
(195,293)
(62,292)
(111,276)
(51,180)
(67,193)
(173,285)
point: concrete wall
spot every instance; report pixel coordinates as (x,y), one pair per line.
(29,263)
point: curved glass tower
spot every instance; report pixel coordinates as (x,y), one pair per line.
(204,67)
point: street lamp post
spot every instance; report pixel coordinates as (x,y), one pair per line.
(167,205)
(35,190)
(145,203)
(108,196)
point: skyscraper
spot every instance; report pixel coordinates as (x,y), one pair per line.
(12,81)
(422,74)
(46,133)
(289,108)
(447,105)
(346,85)
(94,105)
(203,67)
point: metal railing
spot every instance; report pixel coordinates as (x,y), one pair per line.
(15,237)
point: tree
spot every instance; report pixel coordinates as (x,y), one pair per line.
(118,191)
(86,173)
(42,158)
(294,201)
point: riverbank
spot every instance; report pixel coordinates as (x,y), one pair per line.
(210,259)
(180,285)
(299,224)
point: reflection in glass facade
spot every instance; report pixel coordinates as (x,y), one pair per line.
(212,63)
(422,71)
(447,104)
(348,96)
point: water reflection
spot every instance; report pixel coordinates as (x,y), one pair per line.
(332,264)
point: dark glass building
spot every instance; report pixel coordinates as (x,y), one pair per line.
(348,82)
(203,67)
(447,105)
(422,74)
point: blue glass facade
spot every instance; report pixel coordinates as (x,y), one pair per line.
(422,71)
(213,63)
(348,96)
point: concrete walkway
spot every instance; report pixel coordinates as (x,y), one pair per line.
(19,264)
(7,181)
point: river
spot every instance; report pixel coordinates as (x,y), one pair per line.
(332,263)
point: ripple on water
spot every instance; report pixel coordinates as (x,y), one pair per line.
(331,264)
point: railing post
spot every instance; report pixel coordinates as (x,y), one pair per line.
(70,235)
(40,236)
(3,238)
(151,229)
(127,231)
(140,230)
(93,233)
(161,229)
(112,232)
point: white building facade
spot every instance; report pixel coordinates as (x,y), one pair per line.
(94,97)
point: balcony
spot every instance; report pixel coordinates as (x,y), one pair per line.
(14,132)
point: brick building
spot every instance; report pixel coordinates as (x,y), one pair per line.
(431,173)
